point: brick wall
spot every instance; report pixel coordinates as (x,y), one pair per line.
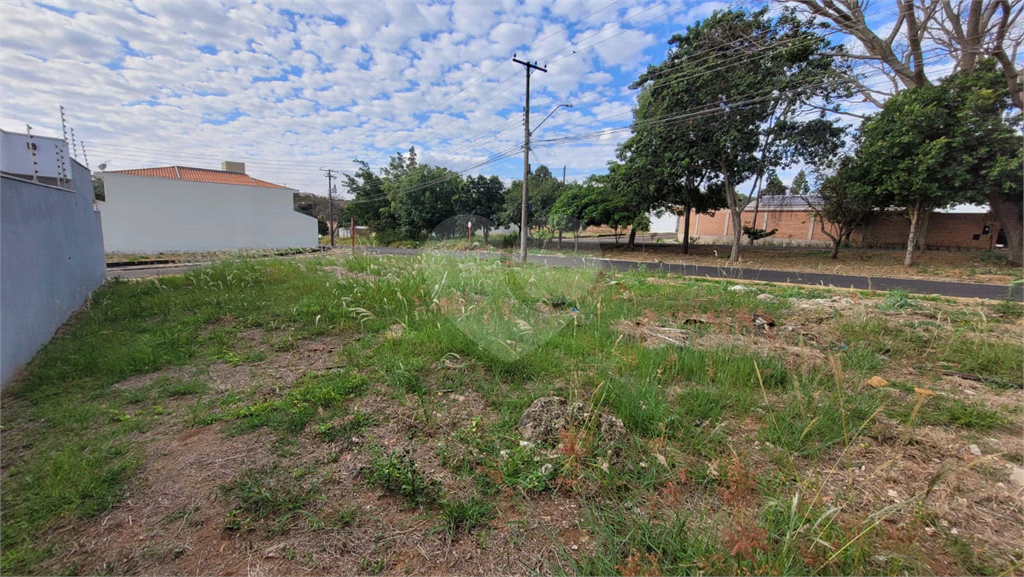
(880,230)
(944,231)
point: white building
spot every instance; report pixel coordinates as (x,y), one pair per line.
(182,209)
(37,158)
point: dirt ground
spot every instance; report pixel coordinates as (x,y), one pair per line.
(969,266)
(172,520)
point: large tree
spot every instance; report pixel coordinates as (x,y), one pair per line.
(928,39)
(371,206)
(938,145)
(657,177)
(423,198)
(481,198)
(734,89)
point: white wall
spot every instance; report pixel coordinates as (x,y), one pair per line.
(147,215)
(16,158)
(667,222)
(51,258)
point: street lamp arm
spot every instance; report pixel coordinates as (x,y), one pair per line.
(549,116)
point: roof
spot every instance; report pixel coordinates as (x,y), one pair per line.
(784,202)
(198,175)
(965,209)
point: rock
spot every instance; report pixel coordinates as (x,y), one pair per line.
(877,381)
(543,420)
(738,288)
(547,417)
(975,450)
(766,298)
(1017,477)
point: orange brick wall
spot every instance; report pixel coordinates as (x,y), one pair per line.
(944,231)
(880,230)
(791,225)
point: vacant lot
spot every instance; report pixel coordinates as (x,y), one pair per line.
(362,416)
(986,267)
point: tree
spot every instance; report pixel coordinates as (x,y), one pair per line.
(925,39)
(840,204)
(99,192)
(317,206)
(774,187)
(929,33)
(481,198)
(800,186)
(423,198)
(544,191)
(371,205)
(753,124)
(656,178)
(570,211)
(938,145)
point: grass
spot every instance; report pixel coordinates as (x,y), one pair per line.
(270,494)
(720,437)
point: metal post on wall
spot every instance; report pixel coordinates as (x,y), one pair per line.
(32,150)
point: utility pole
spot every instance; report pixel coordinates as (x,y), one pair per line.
(563,173)
(330,203)
(523,229)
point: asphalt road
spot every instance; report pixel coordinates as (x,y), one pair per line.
(924,287)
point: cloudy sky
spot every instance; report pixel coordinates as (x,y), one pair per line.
(292,87)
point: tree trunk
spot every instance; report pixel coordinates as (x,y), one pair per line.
(559,240)
(922,235)
(835,247)
(575,243)
(632,238)
(915,229)
(736,212)
(686,232)
(1010,214)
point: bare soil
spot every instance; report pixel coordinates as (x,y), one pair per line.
(966,266)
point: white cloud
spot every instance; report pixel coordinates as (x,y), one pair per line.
(288,87)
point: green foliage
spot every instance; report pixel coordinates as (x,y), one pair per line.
(774,186)
(261,494)
(937,145)
(521,468)
(465,514)
(756,234)
(800,185)
(482,198)
(748,136)
(841,203)
(291,414)
(396,473)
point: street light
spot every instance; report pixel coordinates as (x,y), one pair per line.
(523,227)
(549,116)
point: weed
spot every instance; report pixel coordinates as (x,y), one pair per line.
(521,468)
(897,300)
(396,473)
(350,426)
(258,495)
(464,514)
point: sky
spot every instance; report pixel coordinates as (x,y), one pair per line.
(291,88)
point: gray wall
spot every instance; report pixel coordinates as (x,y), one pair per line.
(51,259)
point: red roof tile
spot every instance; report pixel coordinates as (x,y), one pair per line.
(198,175)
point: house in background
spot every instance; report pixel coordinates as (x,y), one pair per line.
(51,243)
(182,209)
(961,227)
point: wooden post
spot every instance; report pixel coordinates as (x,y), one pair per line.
(352,235)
